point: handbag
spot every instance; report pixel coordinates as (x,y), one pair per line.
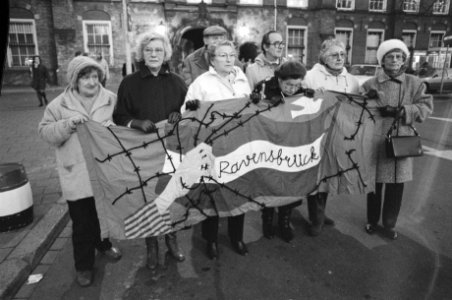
(403,146)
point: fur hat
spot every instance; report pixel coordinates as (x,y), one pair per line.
(77,64)
(388,46)
(291,69)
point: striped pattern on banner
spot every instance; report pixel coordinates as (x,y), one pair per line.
(147,221)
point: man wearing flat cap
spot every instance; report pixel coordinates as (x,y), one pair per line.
(197,62)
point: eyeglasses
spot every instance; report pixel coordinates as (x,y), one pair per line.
(278,44)
(397,56)
(157,51)
(337,55)
(226,55)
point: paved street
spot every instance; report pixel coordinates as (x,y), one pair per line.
(343,263)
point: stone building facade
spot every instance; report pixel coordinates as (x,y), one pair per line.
(56,29)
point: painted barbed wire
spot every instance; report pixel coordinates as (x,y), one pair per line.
(206,189)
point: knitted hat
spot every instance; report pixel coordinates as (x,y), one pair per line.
(77,64)
(214,30)
(388,46)
(291,69)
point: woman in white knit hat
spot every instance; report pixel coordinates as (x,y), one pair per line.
(402,102)
(83,99)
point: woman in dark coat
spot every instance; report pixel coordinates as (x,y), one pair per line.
(39,78)
(146,97)
(403,101)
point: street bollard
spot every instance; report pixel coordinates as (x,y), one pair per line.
(16,198)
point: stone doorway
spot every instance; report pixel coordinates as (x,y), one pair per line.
(191,40)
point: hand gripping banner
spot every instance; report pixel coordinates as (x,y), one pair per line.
(226,158)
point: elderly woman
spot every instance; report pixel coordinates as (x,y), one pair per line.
(403,101)
(222,81)
(286,82)
(83,99)
(150,95)
(329,74)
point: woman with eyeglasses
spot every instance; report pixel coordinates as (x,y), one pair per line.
(402,102)
(328,74)
(286,82)
(150,95)
(222,81)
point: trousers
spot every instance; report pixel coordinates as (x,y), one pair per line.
(86,233)
(209,228)
(391,205)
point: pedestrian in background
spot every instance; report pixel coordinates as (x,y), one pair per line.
(83,99)
(39,78)
(150,95)
(197,62)
(328,74)
(224,80)
(286,82)
(402,101)
(104,64)
(265,64)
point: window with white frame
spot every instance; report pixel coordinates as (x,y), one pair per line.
(377,5)
(410,6)
(297,3)
(296,42)
(345,35)
(441,7)
(22,44)
(345,4)
(374,39)
(252,2)
(199,1)
(97,38)
(409,38)
(436,39)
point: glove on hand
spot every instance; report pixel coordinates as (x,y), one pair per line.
(309,93)
(276,100)
(391,112)
(192,104)
(174,117)
(144,125)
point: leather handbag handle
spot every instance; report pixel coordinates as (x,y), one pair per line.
(393,127)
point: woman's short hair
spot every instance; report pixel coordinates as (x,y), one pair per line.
(291,69)
(212,48)
(88,70)
(146,38)
(327,45)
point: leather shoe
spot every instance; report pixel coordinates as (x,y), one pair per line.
(212,250)
(173,248)
(239,247)
(84,278)
(113,253)
(392,234)
(329,222)
(370,228)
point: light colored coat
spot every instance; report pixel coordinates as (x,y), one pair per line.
(261,69)
(319,77)
(418,106)
(55,129)
(212,87)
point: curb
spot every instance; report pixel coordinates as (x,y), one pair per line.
(28,253)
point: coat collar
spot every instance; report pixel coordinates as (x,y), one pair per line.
(383,77)
(71,101)
(200,58)
(145,72)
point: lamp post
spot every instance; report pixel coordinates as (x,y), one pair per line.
(447,40)
(125,22)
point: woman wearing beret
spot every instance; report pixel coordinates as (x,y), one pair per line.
(83,99)
(403,101)
(286,82)
(329,74)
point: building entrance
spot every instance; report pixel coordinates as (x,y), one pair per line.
(191,40)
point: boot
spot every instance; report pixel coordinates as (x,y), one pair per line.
(284,223)
(316,214)
(267,222)
(173,248)
(152,252)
